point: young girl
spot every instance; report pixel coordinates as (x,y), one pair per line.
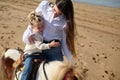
(34,50)
(37,26)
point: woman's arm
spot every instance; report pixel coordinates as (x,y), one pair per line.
(28,32)
(42,7)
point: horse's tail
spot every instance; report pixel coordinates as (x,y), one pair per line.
(2,65)
(2,58)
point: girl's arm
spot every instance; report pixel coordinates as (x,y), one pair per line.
(43,46)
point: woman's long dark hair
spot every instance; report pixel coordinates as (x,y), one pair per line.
(66,7)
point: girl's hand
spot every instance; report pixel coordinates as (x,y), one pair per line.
(31,38)
(54,44)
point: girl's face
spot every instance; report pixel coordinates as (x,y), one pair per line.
(38,27)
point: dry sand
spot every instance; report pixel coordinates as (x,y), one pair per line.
(97,40)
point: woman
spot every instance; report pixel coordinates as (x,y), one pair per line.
(59,25)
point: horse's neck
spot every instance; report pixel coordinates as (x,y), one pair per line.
(54,70)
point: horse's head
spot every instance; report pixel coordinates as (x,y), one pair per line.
(69,72)
(74,74)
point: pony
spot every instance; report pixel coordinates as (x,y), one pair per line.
(54,70)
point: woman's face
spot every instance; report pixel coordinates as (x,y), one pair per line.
(57,12)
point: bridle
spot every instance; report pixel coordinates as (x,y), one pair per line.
(68,74)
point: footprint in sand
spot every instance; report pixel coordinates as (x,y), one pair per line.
(1,37)
(117,49)
(82,36)
(5,27)
(13,32)
(109,75)
(113,47)
(3,8)
(98,57)
(118,41)
(1,45)
(9,37)
(15,42)
(7,43)
(2,33)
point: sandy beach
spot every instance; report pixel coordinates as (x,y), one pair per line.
(97,39)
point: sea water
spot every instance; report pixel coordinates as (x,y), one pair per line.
(109,3)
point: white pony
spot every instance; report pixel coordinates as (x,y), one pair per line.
(55,70)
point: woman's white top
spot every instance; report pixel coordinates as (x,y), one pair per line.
(54,27)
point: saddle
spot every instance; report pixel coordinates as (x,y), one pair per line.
(36,64)
(19,66)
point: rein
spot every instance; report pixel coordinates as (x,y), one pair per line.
(44,70)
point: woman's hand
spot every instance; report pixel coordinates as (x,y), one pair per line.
(54,44)
(31,38)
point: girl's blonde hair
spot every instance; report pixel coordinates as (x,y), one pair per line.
(34,18)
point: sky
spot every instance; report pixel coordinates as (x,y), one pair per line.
(110,3)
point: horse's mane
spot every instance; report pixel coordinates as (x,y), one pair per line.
(63,70)
(56,70)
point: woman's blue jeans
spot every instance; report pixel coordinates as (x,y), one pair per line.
(53,54)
